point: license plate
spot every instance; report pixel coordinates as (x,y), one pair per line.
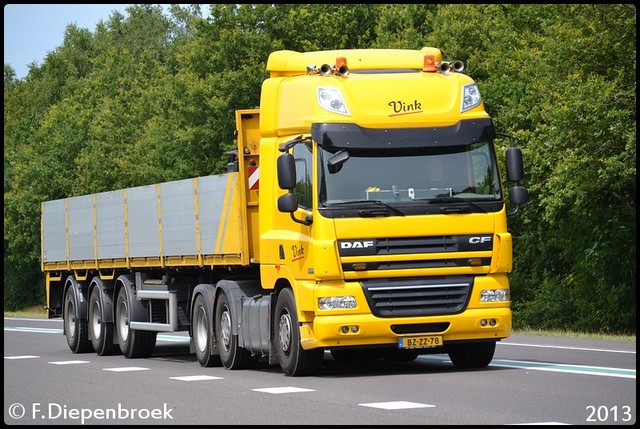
(419,342)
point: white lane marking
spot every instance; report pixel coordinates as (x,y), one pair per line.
(172,338)
(69,362)
(572,369)
(195,378)
(22,357)
(277,390)
(548,366)
(29,329)
(397,405)
(126,369)
(501,343)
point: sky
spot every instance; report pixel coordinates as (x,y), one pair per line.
(33,30)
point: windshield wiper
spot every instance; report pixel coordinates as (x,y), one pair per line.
(461,206)
(370,212)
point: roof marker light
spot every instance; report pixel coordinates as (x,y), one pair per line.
(341,66)
(429,63)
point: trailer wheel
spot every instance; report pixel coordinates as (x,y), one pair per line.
(75,328)
(472,355)
(202,334)
(231,354)
(293,359)
(100,332)
(133,343)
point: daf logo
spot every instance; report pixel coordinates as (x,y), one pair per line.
(356,244)
(479,240)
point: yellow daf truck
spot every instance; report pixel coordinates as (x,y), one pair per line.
(363,213)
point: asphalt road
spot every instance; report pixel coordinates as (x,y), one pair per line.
(532,380)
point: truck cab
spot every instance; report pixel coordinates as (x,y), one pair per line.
(388,215)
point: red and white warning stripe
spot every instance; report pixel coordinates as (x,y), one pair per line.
(254,177)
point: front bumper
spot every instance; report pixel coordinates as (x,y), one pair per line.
(327,330)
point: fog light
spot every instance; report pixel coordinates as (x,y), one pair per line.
(345,329)
(355,329)
(483,322)
(492,322)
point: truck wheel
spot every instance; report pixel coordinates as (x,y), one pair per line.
(75,328)
(202,334)
(472,355)
(133,343)
(231,354)
(293,359)
(100,332)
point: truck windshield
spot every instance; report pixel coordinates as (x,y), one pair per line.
(408,175)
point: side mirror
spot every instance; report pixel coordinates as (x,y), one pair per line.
(288,203)
(334,164)
(518,195)
(515,168)
(286,171)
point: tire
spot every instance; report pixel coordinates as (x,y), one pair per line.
(133,343)
(202,334)
(472,355)
(232,355)
(75,328)
(100,332)
(293,359)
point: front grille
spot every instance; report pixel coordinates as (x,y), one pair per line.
(421,296)
(411,253)
(420,328)
(405,265)
(415,245)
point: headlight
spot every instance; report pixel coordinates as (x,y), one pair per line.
(330,99)
(470,97)
(494,295)
(336,302)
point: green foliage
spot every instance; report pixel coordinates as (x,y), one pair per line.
(148,98)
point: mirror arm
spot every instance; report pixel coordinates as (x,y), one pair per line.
(308,220)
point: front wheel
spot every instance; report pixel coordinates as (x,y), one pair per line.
(293,359)
(75,328)
(472,355)
(133,343)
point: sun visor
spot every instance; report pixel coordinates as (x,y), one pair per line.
(353,136)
